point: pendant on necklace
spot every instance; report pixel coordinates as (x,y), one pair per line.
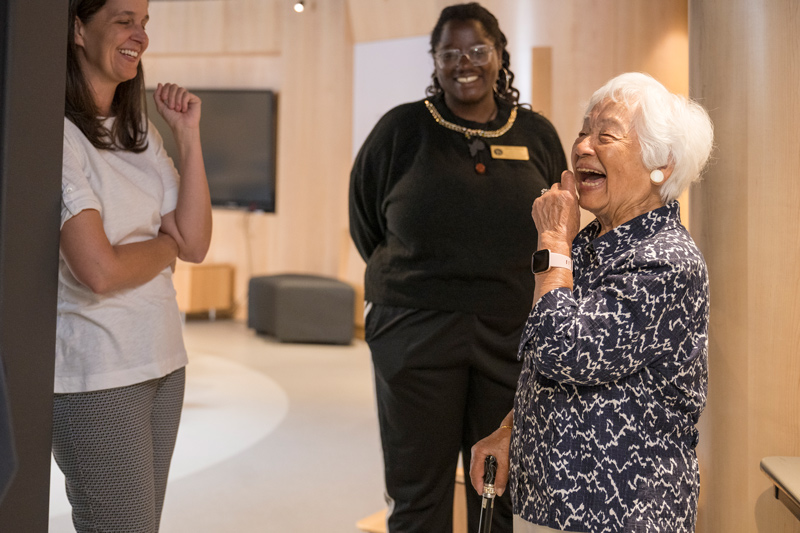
(476,150)
(476,146)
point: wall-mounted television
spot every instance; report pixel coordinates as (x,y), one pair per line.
(238,131)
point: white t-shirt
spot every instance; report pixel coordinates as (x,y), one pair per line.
(132,335)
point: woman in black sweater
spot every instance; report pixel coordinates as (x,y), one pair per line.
(440,202)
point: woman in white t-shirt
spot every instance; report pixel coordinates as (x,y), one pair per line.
(126,216)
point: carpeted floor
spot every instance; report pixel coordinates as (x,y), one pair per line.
(274,437)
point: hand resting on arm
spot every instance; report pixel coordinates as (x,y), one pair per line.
(104,268)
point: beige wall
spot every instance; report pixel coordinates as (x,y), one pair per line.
(745,67)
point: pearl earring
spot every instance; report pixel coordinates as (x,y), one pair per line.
(656,176)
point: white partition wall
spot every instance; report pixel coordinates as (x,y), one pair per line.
(385,74)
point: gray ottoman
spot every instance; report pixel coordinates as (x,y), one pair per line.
(301,308)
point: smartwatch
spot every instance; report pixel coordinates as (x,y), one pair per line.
(543,260)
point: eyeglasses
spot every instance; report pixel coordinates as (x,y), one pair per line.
(478,55)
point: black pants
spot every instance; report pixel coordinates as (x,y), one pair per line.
(443,381)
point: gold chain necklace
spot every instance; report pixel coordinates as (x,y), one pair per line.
(469,132)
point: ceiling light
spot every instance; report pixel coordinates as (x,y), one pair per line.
(299,6)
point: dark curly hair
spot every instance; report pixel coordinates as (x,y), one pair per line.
(129,131)
(474,11)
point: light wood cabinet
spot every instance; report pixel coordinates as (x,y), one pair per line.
(204,287)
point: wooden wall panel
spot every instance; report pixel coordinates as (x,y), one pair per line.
(721,231)
(773,114)
(373,20)
(218,71)
(542,80)
(215,27)
(314,138)
(244,36)
(745,67)
(186,28)
(392,19)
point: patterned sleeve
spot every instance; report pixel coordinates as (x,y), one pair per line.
(635,316)
(76,192)
(166,170)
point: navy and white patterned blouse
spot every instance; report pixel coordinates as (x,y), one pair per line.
(614,381)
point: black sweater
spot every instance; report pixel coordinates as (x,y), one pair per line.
(435,233)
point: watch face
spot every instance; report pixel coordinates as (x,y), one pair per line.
(540,261)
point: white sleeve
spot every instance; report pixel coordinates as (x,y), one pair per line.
(76,192)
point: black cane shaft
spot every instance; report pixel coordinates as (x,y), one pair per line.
(485,524)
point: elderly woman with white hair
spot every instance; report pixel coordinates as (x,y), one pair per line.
(602,436)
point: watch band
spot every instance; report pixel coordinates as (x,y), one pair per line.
(560,261)
(543,260)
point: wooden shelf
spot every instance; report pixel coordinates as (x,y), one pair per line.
(204,287)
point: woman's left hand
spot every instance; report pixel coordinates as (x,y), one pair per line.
(179,107)
(496,444)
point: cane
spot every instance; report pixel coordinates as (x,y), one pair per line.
(487,502)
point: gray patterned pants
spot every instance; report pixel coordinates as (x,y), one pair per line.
(114,447)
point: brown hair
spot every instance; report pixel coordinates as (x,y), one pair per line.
(129,131)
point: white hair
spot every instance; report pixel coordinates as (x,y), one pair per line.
(670,127)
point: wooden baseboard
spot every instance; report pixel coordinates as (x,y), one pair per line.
(374,523)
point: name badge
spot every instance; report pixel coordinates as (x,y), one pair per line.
(519,153)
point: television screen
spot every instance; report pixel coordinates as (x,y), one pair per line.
(238,130)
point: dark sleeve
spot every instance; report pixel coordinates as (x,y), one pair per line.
(549,158)
(368,181)
(635,316)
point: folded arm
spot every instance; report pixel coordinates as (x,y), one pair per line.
(634,317)
(190,223)
(103,267)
